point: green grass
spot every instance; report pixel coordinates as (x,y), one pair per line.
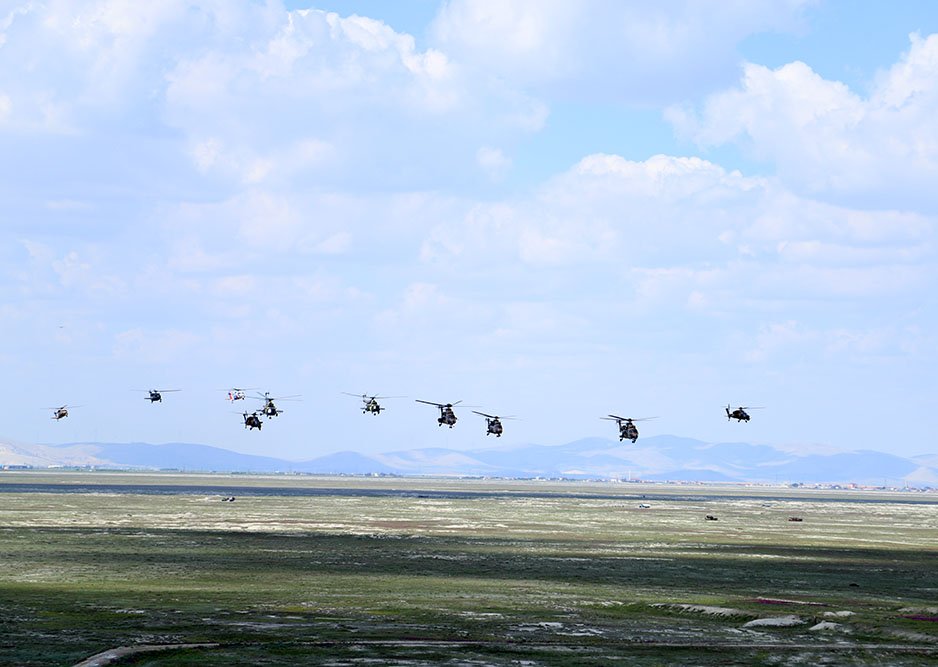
(283,579)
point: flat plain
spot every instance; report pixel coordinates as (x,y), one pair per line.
(158,570)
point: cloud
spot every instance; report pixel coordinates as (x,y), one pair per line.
(793,341)
(686,234)
(80,271)
(493,161)
(605,208)
(361,97)
(251,94)
(82,61)
(154,347)
(607,50)
(825,140)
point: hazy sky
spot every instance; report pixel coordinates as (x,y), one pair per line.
(545,208)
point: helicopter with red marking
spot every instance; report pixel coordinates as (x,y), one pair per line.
(627,428)
(237,394)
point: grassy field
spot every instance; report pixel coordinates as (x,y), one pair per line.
(504,573)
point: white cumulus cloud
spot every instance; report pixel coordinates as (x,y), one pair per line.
(686,233)
(619,50)
(878,150)
(252,93)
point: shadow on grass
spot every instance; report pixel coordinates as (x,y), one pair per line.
(79,591)
(731,569)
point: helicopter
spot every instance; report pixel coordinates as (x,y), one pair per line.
(236,394)
(156,395)
(627,428)
(370,403)
(269,409)
(739,414)
(61,412)
(493,424)
(447,416)
(252,421)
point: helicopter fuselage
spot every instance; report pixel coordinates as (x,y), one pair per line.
(494,427)
(372,406)
(447,416)
(628,431)
(252,421)
(738,414)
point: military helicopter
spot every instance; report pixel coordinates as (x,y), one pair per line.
(269,409)
(252,421)
(739,414)
(61,412)
(236,394)
(493,424)
(156,395)
(627,428)
(370,403)
(447,416)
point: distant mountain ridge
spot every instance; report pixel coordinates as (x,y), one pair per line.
(662,457)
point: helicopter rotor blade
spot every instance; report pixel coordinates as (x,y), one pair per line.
(487,416)
(439,405)
(268,397)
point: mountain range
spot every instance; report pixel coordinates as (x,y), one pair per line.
(656,458)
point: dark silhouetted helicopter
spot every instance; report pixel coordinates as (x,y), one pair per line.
(627,428)
(61,412)
(269,409)
(370,403)
(156,395)
(252,421)
(739,414)
(447,416)
(493,424)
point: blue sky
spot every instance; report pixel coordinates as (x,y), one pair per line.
(547,209)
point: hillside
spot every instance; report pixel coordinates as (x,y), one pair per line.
(661,457)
